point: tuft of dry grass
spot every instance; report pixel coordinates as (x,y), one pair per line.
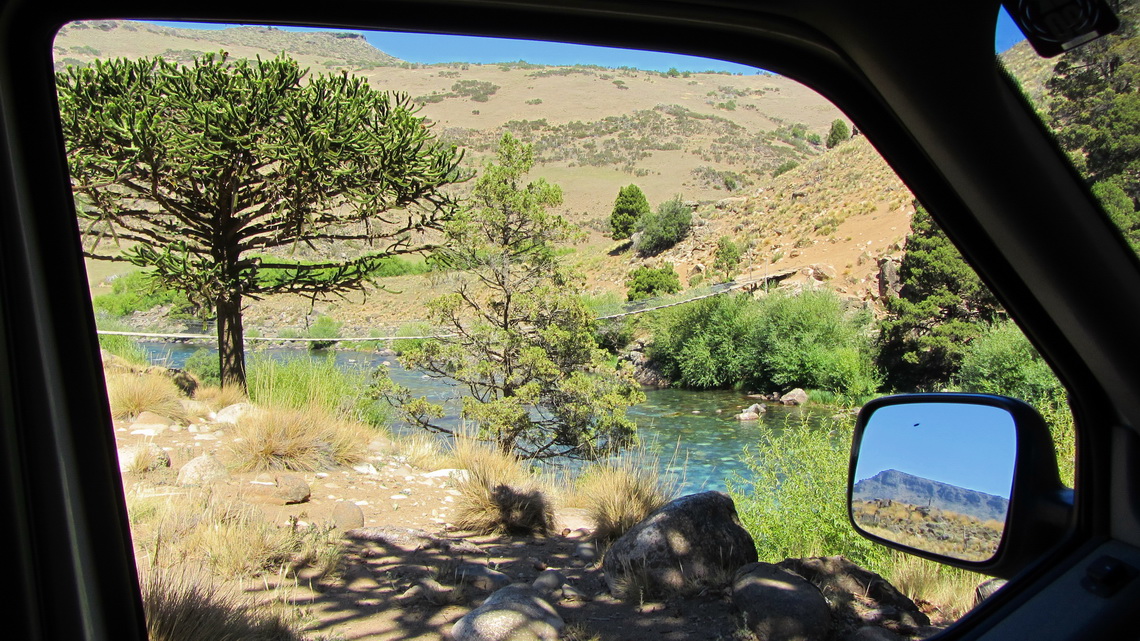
(229,538)
(217,398)
(621,492)
(949,590)
(194,609)
(498,495)
(133,394)
(297,439)
(423,451)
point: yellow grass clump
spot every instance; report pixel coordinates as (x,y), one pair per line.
(227,537)
(217,398)
(297,439)
(133,394)
(498,495)
(950,590)
(194,609)
(623,491)
(423,451)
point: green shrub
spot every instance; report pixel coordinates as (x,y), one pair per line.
(665,228)
(788,165)
(703,344)
(1002,361)
(418,328)
(647,282)
(772,344)
(838,133)
(807,341)
(139,292)
(794,499)
(324,327)
(204,364)
(727,258)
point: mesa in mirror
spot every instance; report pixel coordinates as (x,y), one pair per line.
(936,477)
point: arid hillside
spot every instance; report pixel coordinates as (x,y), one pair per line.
(715,139)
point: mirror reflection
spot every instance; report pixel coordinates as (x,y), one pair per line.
(936,477)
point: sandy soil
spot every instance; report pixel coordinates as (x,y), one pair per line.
(364,600)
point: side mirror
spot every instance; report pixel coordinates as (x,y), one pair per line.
(964,479)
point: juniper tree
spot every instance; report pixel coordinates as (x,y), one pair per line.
(520,338)
(629,207)
(212,174)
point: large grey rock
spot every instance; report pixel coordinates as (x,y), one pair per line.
(514,613)
(691,543)
(795,397)
(858,596)
(233,413)
(291,489)
(202,470)
(779,605)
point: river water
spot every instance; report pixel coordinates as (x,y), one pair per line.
(693,433)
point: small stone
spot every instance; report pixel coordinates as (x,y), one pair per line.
(481,577)
(548,581)
(514,613)
(142,458)
(292,489)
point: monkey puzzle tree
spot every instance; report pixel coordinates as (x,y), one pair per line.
(520,341)
(210,174)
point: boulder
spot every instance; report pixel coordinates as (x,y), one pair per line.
(514,613)
(794,397)
(859,597)
(645,370)
(291,489)
(890,281)
(780,605)
(145,457)
(202,470)
(691,543)
(232,413)
(347,515)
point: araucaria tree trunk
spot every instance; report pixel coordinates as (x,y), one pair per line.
(212,174)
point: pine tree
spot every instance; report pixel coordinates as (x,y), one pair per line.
(629,207)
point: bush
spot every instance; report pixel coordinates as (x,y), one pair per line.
(727,258)
(787,165)
(838,133)
(772,344)
(1002,361)
(140,292)
(324,327)
(703,344)
(665,228)
(124,347)
(647,282)
(204,364)
(794,499)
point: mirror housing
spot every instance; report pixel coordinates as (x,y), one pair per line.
(977,449)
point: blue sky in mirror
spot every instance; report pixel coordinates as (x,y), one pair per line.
(433,48)
(970,446)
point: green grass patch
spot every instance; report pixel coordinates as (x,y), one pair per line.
(315,381)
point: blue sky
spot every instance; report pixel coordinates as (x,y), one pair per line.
(429,48)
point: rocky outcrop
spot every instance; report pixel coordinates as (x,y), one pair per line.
(514,613)
(645,371)
(752,412)
(890,282)
(894,485)
(779,605)
(691,543)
